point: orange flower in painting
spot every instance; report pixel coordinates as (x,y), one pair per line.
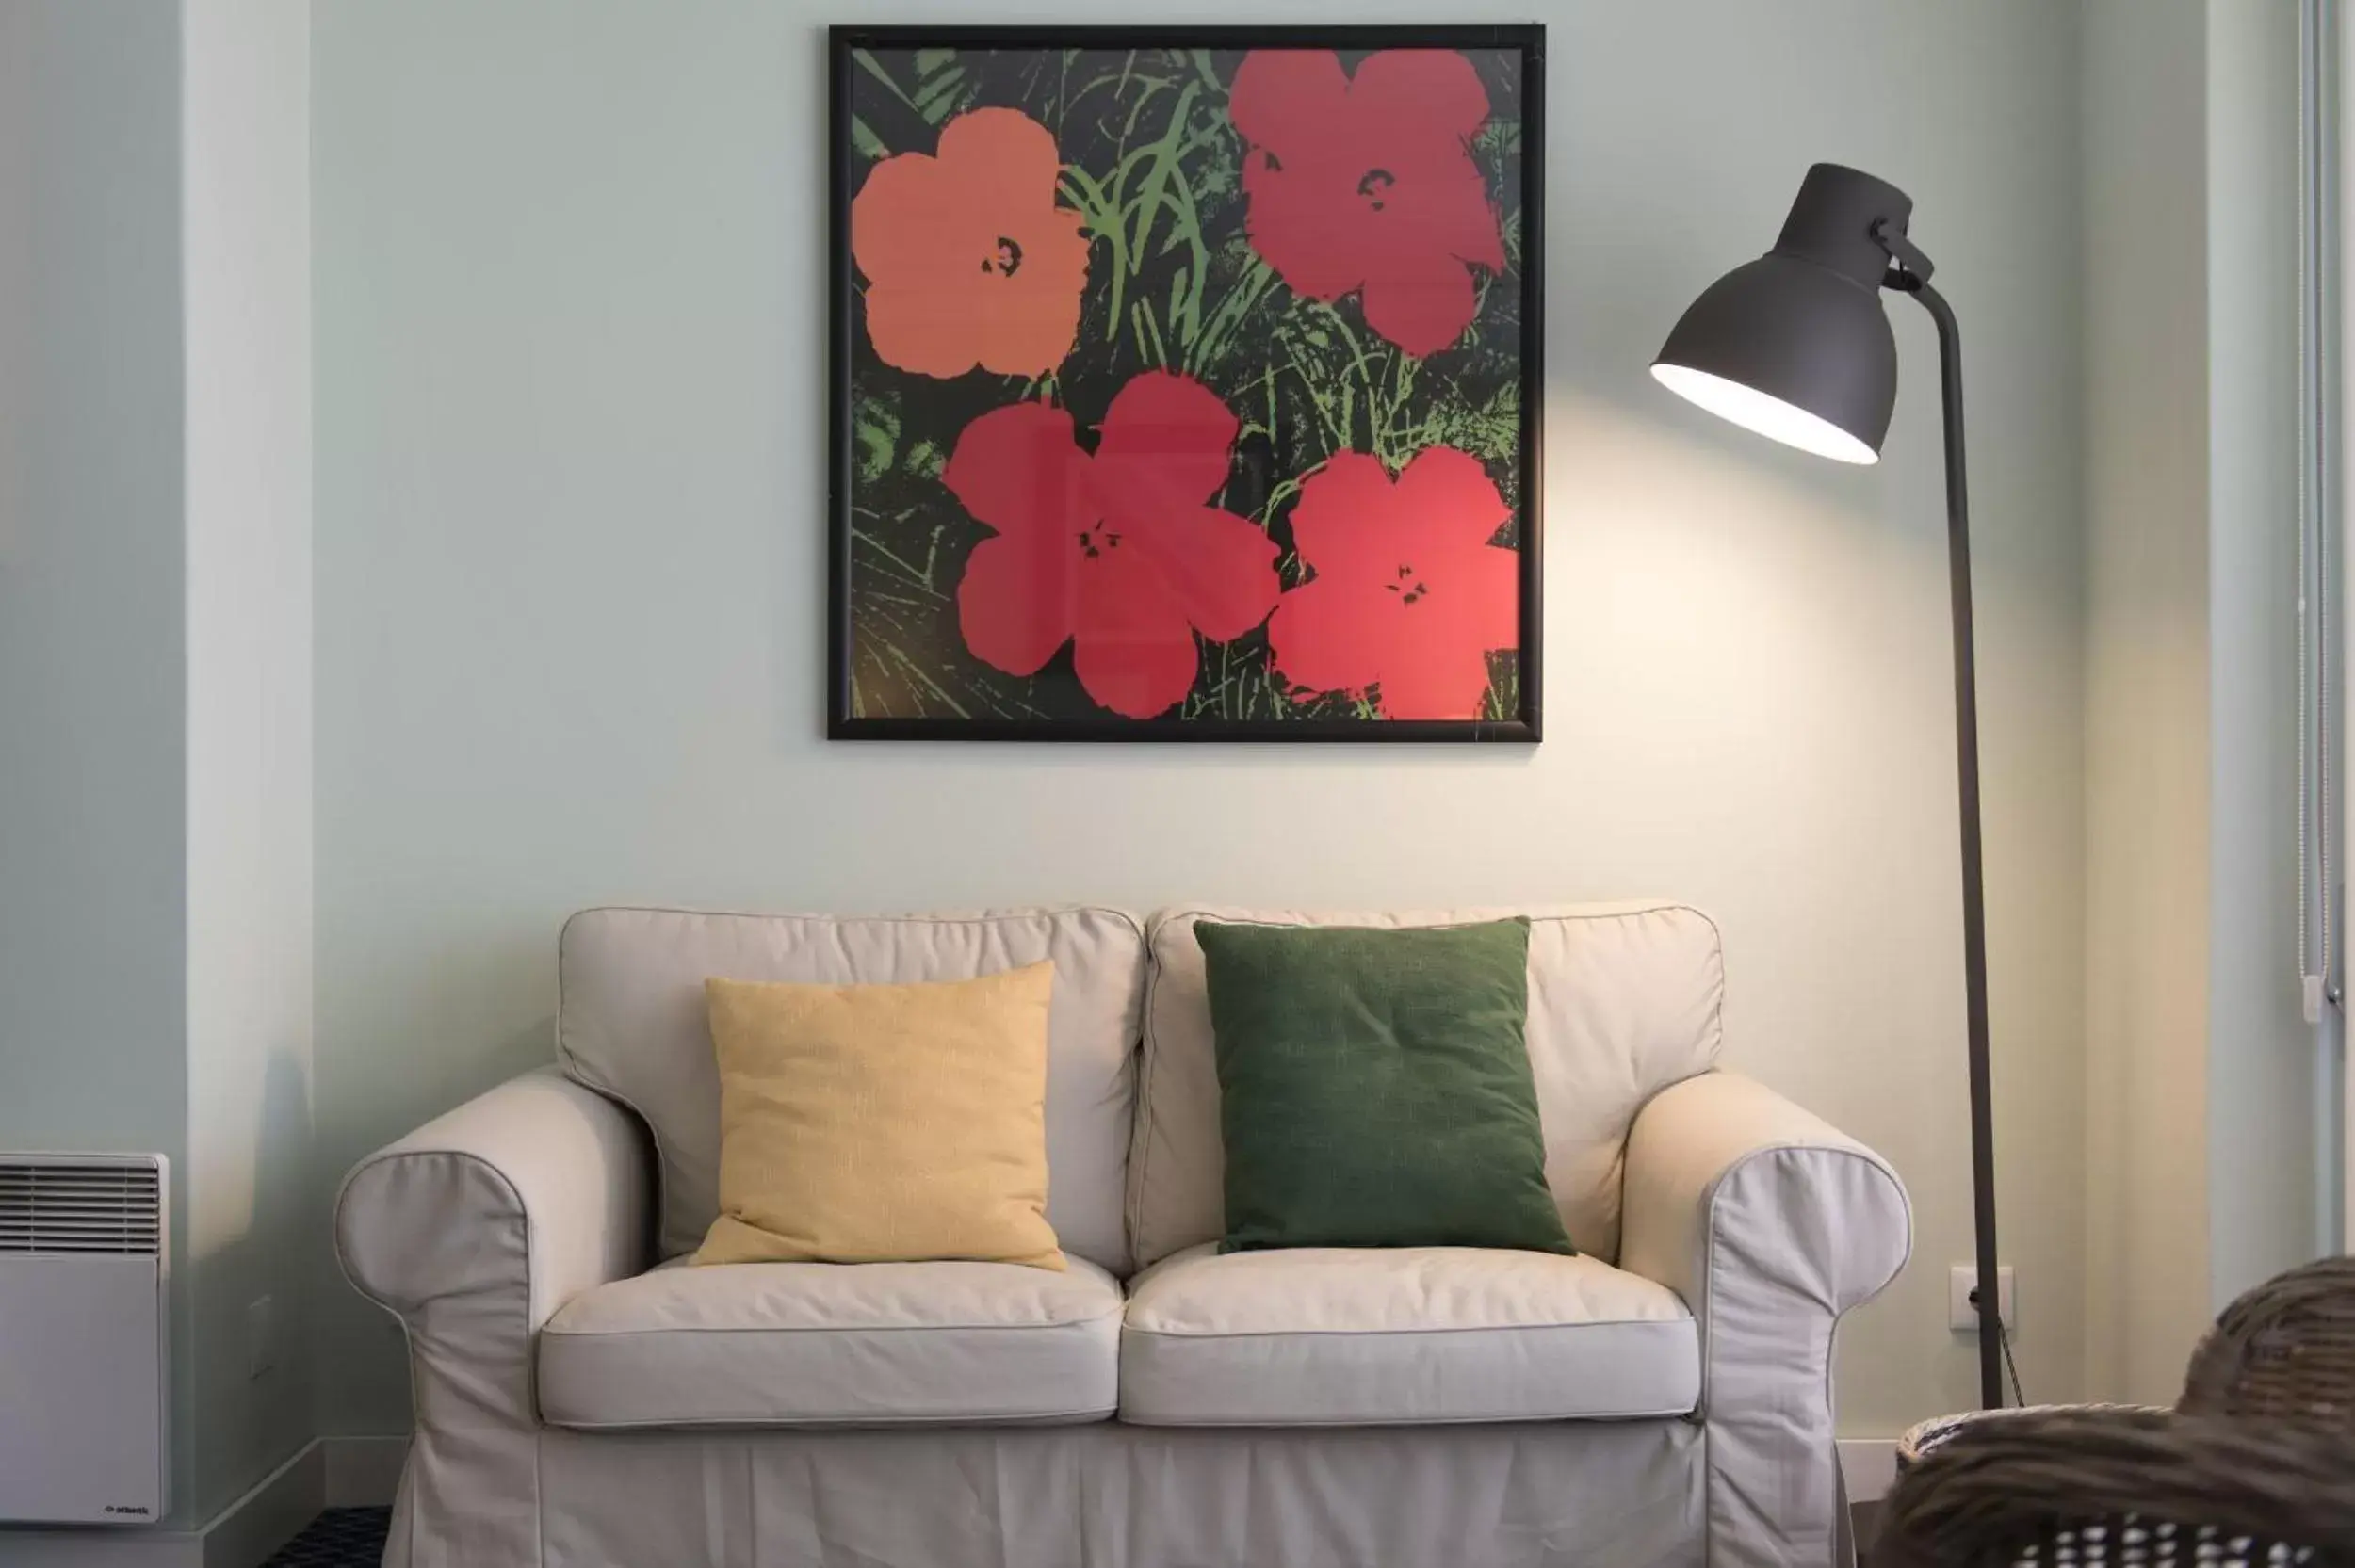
(967,259)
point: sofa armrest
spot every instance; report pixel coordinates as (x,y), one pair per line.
(1724,1175)
(1771,1223)
(539,1186)
(474,1230)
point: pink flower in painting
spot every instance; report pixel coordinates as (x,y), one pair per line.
(1409,595)
(1367,183)
(1117,551)
(967,258)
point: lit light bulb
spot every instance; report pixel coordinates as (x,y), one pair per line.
(1769,416)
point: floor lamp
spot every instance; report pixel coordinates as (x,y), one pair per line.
(1795,346)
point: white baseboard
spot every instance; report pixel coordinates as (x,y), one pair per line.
(249,1531)
(243,1535)
(363,1472)
(1869,1464)
(101,1546)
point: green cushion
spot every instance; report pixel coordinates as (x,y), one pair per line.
(1375,1087)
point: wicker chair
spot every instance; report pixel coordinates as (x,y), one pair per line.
(2284,1350)
(2147,1488)
(2255,1466)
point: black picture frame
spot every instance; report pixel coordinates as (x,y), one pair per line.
(846,170)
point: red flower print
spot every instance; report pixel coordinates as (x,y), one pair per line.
(1366,183)
(1409,596)
(1116,551)
(967,259)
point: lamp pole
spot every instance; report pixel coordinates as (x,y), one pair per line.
(1911,276)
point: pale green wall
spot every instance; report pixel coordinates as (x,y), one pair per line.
(92,657)
(2200,1154)
(92,665)
(570,547)
(2262,1171)
(2147,736)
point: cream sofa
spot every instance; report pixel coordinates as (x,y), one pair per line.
(1664,1399)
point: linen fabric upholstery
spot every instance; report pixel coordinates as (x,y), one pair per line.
(1109,1494)
(883,1123)
(819,1344)
(1398,1336)
(1772,1225)
(474,1230)
(1375,1087)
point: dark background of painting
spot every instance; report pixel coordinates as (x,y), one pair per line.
(1307,380)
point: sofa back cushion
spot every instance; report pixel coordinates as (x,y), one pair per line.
(633,1023)
(1623,1001)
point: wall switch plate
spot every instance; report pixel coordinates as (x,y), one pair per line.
(1963,1317)
(261,1335)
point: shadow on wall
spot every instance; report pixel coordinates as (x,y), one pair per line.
(250,1381)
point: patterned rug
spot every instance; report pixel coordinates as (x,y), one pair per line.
(340,1538)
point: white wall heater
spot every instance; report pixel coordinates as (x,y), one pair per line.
(84,1359)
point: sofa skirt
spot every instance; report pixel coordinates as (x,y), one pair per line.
(1597,1494)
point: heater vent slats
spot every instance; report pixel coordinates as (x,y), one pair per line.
(80,1205)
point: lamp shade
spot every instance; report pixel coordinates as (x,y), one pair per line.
(1796,345)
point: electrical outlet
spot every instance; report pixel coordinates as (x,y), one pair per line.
(261,1335)
(1963,1315)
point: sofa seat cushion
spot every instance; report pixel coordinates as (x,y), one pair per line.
(830,1344)
(1404,1336)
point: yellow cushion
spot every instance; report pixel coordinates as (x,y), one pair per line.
(883,1123)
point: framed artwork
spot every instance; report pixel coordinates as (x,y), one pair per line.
(1185,382)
